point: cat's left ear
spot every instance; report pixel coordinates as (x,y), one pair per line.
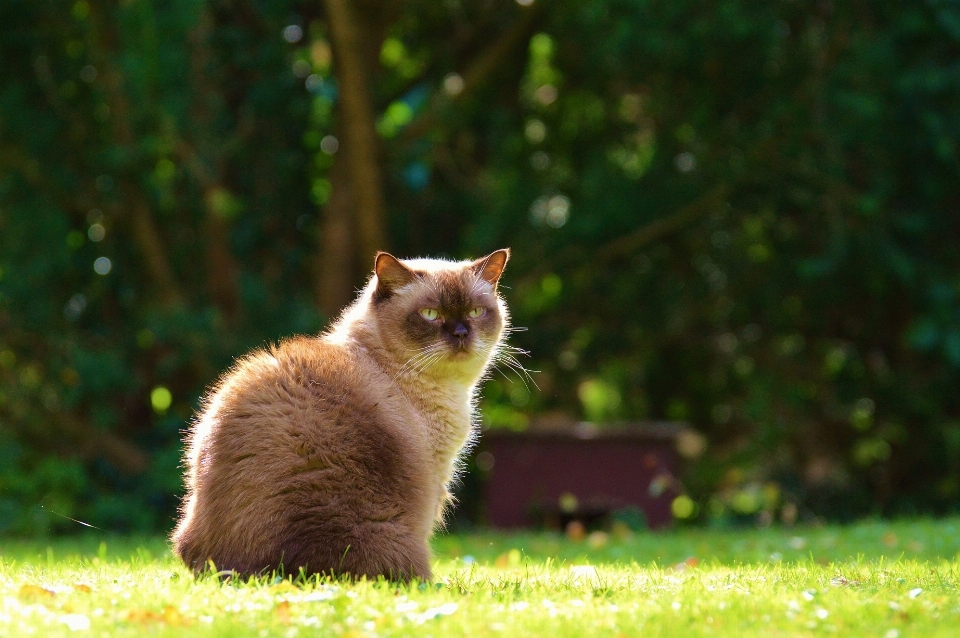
(391,274)
(490,268)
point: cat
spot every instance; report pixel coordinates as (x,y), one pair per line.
(333,454)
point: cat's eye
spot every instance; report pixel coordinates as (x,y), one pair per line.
(430,314)
(477,312)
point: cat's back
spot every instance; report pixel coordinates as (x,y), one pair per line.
(299,367)
(301,387)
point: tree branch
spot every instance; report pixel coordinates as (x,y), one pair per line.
(92,443)
(75,437)
(147,238)
(663,227)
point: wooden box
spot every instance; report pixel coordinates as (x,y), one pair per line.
(584,471)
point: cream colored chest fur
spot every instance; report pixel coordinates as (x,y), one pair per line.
(445,416)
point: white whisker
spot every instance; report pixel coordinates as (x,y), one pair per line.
(414,361)
(427,363)
(504,357)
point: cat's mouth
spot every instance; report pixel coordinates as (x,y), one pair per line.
(460,351)
(459,347)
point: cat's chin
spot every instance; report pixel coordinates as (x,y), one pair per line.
(468,361)
(462,354)
(459,355)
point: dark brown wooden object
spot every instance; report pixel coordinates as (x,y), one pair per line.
(583,471)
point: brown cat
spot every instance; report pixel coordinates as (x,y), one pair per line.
(333,454)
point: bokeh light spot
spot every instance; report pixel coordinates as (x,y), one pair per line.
(600,399)
(685,162)
(320,191)
(519,396)
(397,115)
(102,265)
(691,444)
(453,84)
(540,161)
(535,131)
(568,503)
(551,285)
(329,144)
(416,175)
(321,54)
(301,68)
(541,46)
(314,83)
(96,232)
(161,399)
(568,359)
(683,507)
(485,461)
(75,306)
(392,52)
(558,211)
(292,33)
(81,10)
(546,94)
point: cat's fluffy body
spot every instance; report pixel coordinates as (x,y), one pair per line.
(333,454)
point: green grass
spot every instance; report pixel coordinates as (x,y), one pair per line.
(870,579)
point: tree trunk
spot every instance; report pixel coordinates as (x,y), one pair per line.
(205,164)
(222,284)
(146,236)
(144,231)
(336,263)
(357,125)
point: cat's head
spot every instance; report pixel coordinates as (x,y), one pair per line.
(438,316)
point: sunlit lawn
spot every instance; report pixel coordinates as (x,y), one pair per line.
(870,579)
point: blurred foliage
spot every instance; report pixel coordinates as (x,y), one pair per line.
(739,214)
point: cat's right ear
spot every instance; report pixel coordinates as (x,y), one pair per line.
(490,268)
(391,275)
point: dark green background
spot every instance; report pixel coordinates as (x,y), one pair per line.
(741,214)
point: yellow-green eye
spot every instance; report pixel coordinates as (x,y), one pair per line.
(430,314)
(477,312)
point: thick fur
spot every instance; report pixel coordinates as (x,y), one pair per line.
(333,454)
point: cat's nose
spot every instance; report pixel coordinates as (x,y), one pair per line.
(461,330)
